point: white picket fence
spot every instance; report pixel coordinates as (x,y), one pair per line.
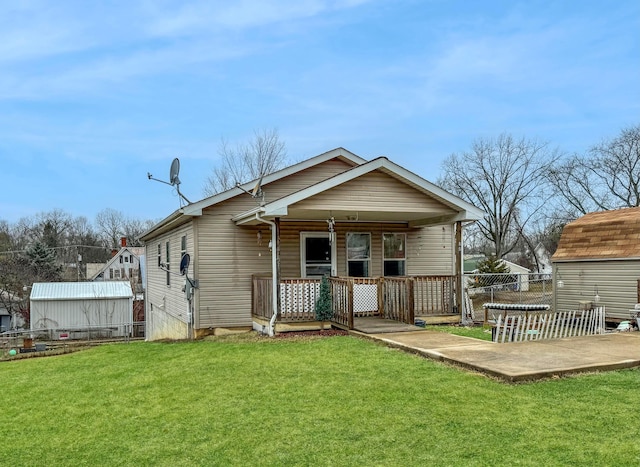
(534,326)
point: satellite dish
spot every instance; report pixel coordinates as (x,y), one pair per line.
(184,264)
(173,178)
(173,173)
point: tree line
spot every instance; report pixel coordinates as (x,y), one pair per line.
(530,190)
(54,246)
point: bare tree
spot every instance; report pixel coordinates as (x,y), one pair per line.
(263,154)
(504,177)
(608,177)
(133,228)
(110,225)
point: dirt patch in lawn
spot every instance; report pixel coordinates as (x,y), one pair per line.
(311,334)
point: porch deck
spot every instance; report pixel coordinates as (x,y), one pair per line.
(355,299)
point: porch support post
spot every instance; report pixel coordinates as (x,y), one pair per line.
(459,269)
(277,271)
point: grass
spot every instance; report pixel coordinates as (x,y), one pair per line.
(477,332)
(332,401)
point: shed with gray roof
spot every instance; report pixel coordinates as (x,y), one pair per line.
(82,309)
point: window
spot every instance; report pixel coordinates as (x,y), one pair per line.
(159,255)
(116,274)
(394,254)
(183,245)
(131,258)
(167,263)
(126,259)
(110,273)
(358,254)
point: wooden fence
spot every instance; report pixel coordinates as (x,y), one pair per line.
(535,325)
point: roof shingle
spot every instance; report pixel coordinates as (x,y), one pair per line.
(601,235)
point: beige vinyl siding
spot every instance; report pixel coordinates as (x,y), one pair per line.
(616,281)
(228,256)
(429,249)
(375,191)
(160,297)
(304,179)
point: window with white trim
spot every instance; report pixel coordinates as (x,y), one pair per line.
(394,246)
(358,254)
(167,263)
(183,246)
(159,255)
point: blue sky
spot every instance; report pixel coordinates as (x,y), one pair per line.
(93,95)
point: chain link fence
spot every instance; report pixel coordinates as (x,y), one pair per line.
(507,288)
(49,340)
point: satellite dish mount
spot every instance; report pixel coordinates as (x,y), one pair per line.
(256,192)
(174,180)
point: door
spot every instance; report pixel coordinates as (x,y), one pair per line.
(317,255)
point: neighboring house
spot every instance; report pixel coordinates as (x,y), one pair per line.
(598,263)
(73,309)
(522,273)
(9,319)
(334,214)
(125,264)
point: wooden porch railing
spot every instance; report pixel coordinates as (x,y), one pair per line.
(342,301)
(397,298)
(434,295)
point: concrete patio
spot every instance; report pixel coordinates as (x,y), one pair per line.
(521,361)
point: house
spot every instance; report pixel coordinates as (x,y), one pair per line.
(390,240)
(125,264)
(521,273)
(10,318)
(82,309)
(598,263)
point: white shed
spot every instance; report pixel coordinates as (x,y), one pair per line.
(73,309)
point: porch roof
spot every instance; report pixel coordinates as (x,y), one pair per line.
(195,209)
(449,208)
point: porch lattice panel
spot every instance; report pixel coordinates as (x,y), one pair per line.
(298,298)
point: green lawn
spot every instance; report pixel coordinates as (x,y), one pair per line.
(477,332)
(332,401)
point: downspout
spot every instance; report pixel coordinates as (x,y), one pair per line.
(274,272)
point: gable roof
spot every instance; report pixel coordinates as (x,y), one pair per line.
(601,235)
(80,290)
(195,209)
(463,211)
(135,251)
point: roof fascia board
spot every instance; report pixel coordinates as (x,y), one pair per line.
(195,209)
(472,211)
(440,220)
(595,260)
(279,207)
(290,170)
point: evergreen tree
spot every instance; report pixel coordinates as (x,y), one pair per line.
(43,264)
(324,310)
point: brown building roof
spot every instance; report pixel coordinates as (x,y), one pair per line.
(601,235)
